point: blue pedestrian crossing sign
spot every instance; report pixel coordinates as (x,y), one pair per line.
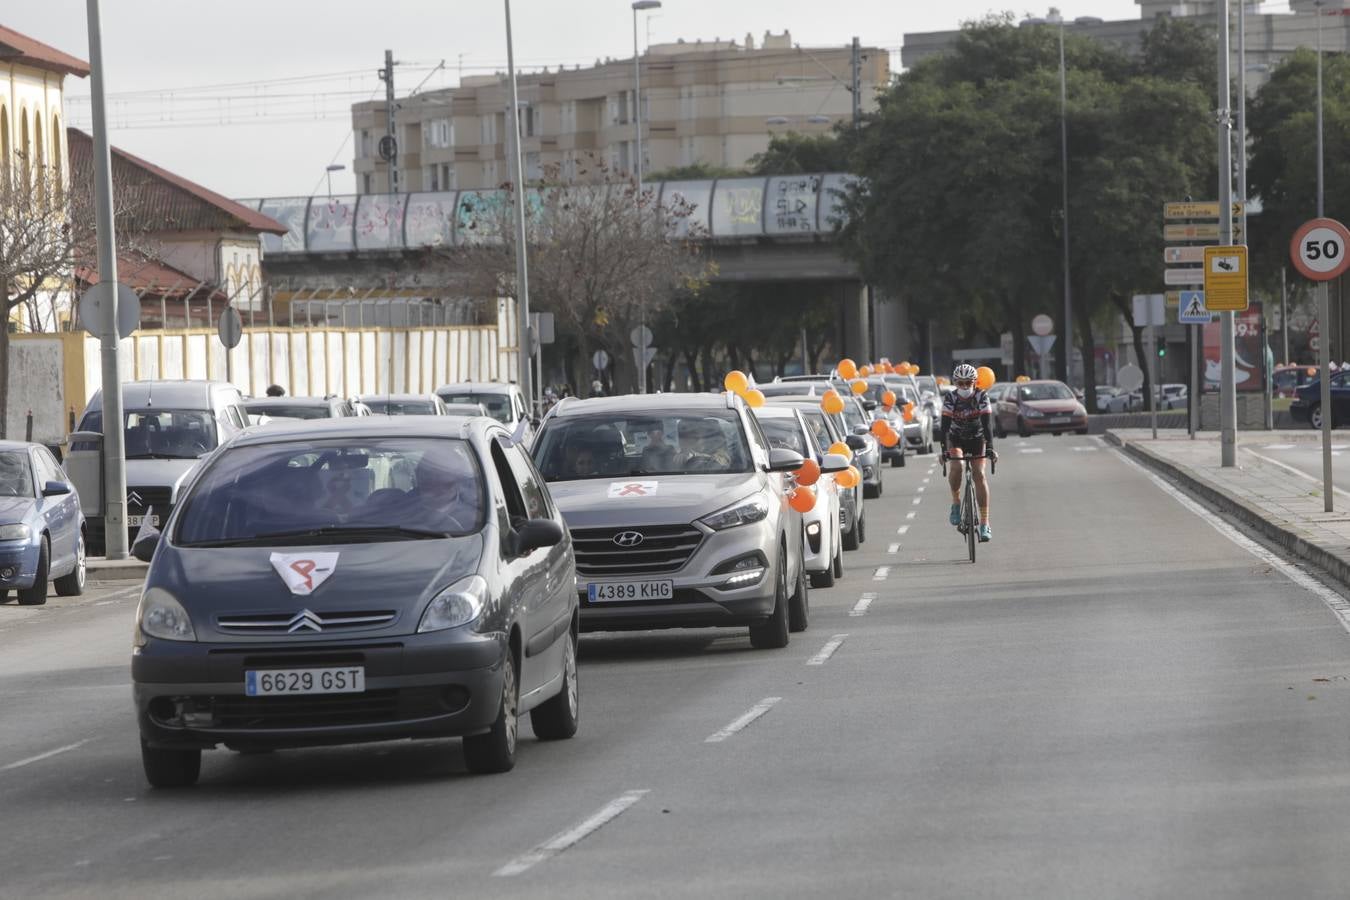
(1191,310)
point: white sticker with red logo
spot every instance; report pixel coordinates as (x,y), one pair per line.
(303,572)
(631,489)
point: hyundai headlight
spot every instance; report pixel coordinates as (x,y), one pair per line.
(18,532)
(754,509)
(459,604)
(160,615)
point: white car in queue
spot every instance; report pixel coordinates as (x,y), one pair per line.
(824,544)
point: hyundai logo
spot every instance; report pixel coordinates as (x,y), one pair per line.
(304,620)
(628,538)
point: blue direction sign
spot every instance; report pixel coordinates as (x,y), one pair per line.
(1191,310)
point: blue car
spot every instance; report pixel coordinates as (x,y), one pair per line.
(1307,405)
(41,526)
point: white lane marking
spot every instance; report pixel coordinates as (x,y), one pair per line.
(882,573)
(918,500)
(926,480)
(920,489)
(902,529)
(827,651)
(742,720)
(1032,450)
(564,839)
(123,594)
(893,548)
(1086,449)
(1023,443)
(860,608)
(911,514)
(20,763)
(1278,447)
(1339,606)
(1299,472)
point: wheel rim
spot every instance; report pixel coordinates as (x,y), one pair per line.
(1317,419)
(80,568)
(509,704)
(570,673)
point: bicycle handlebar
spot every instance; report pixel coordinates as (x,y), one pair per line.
(993,461)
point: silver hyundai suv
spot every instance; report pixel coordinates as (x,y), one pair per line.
(676,506)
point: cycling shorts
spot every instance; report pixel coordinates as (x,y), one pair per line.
(969,446)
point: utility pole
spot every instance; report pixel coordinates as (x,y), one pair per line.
(389,147)
(516,162)
(1066,346)
(1284,316)
(855,84)
(114,438)
(1224,117)
(855,89)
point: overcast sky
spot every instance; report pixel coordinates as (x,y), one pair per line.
(281,75)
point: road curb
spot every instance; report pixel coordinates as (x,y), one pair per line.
(117,569)
(1248,514)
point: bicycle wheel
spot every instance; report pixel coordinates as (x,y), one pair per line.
(968,513)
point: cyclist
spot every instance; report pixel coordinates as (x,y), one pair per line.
(967,430)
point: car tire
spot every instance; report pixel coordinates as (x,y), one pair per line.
(170,768)
(37,594)
(871,491)
(999,431)
(850,538)
(823,579)
(556,719)
(495,750)
(1081,431)
(772,633)
(1022,430)
(837,567)
(799,605)
(72,585)
(1315,417)
(897,461)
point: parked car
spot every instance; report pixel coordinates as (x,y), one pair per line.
(351,580)
(168,426)
(828,430)
(1288,379)
(503,401)
(1174,396)
(1039,406)
(677,508)
(868,457)
(259,408)
(1104,394)
(465,409)
(895,417)
(1307,403)
(42,530)
(823,542)
(403,404)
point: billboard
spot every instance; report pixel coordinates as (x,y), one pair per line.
(1247,356)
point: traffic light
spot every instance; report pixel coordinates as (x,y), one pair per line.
(1162,351)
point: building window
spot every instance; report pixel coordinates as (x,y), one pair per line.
(431,178)
(448,177)
(487,126)
(533,168)
(365,142)
(439,133)
(367,185)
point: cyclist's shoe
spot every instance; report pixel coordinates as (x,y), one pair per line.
(984,534)
(955,517)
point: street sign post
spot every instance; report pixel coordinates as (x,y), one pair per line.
(1207,209)
(98,298)
(1318,250)
(1192,310)
(1226,278)
(641,337)
(1192,275)
(600,360)
(1175,255)
(1204,231)
(1042,325)
(231,331)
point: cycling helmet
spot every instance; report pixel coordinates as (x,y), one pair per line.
(964,372)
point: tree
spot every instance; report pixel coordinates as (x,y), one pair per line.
(793,154)
(47,229)
(602,259)
(699,171)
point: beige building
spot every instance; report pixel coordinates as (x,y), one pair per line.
(32,110)
(714,102)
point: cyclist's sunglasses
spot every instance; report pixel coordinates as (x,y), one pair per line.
(965,382)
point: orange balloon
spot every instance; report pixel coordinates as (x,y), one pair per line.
(754,398)
(1023,379)
(909,412)
(865,371)
(914,369)
(985,378)
(858,387)
(809,473)
(847,368)
(736,382)
(848,478)
(841,448)
(831,402)
(890,438)
(802,499)
(879,427)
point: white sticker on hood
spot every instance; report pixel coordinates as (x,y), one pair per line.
(303,572)
(631,489)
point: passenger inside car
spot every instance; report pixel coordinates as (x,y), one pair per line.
(657,455)
(14,478)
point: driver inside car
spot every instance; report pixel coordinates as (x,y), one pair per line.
(703,444)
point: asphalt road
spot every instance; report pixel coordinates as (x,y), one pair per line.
(1117,700)
(1305,455)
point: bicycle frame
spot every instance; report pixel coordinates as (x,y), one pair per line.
(969,518)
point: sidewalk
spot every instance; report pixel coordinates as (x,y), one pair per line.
(129,569)
(1285,506)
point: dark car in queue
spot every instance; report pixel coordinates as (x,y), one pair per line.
(1307,404)
(1033,407)
(352,580)
(678,510)
(42,531)
(299,408)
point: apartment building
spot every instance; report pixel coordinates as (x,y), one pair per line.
(1274,30)
(715,102)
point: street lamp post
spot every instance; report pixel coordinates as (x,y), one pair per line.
(522,268)
(639,6)
(335,167)
(1067,349)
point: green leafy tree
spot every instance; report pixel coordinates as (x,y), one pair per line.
(793,154)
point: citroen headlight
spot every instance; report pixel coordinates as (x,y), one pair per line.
(18,532)
(160,615)
(755,509)
(457,605)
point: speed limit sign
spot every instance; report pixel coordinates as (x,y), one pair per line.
(1319,249)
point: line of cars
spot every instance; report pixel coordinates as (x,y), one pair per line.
(372,577)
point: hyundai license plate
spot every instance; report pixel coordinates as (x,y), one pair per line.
(137,521)
(278,682)
(630,590)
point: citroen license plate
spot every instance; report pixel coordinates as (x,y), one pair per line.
(630,590)
(137,521)
(278,682)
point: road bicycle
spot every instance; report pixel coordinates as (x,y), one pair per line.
(969,512)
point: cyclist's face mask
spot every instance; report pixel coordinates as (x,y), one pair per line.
(965,388)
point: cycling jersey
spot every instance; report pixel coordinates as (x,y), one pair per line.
(967,419)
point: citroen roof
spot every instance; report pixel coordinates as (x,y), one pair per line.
(167,394)
(364,427)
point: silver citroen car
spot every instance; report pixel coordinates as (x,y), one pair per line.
(677,507)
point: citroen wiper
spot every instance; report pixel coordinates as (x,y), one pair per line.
(326,534)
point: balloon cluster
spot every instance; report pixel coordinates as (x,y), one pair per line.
(737,382)
(1023,379)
